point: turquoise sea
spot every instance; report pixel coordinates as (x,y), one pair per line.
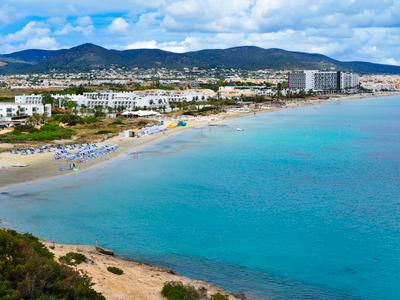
(303,204)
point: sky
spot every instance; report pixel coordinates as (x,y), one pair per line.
(367,30)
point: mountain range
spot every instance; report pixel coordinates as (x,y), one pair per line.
(88,57)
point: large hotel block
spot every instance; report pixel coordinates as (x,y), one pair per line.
(322,80)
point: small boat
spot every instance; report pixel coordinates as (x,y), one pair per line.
(239,129)
(104,251)
(18,165)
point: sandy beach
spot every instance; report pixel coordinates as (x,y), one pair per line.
(42,166)
(139,281)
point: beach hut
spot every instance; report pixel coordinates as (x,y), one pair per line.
(181,123)
(131,133)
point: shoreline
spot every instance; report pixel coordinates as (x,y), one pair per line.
(139,280)
(151,271)
(41,167)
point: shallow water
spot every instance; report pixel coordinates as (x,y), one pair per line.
(304,204)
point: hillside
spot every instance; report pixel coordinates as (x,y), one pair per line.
(87,57)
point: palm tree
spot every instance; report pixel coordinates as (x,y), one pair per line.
(83,109)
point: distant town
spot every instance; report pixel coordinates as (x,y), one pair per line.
(118,91)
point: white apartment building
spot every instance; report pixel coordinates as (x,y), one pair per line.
(11,109)
(29,99)
(302,80)
(326,81)
(322,80)
(348,80)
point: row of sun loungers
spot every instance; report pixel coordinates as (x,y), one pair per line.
(86,153)
(46,149)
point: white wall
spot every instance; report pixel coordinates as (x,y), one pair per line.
(11,109)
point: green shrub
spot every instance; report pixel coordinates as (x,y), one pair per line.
(24,128)
(49,132)
(175,290)
(104,132)
(89,120)
(68,118)
(143,123)
(219,296)
(73,258)
(28,271)
(115,270)
(116,122)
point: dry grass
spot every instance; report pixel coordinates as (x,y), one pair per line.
(9,94)
(94,132)
(98,131)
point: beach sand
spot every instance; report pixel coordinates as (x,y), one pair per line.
(138,282)
(42,166)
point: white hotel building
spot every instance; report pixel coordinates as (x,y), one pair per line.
(127,100)
(322,80)
(24,106)
(11,109)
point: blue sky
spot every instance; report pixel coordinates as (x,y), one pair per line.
(344,29)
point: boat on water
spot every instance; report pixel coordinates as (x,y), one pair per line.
(239,129)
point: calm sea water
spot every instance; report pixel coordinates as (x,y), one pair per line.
(304,204)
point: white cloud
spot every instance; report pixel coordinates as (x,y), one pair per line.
(152,44)
(173,46)
(41,43)
(33,35)
(82,25)
(343,29)
(35,29)
(118,25)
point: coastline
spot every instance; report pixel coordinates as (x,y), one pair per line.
(42,167)
(152,274)
(139,281)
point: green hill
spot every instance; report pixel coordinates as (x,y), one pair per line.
(88,57)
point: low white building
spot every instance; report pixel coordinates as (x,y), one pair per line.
(11,109)
(29,99)
(136,99)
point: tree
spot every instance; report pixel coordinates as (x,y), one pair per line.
(80,90)
(98,111)
(71,105)
(48,99)
(37,120)
(83,109)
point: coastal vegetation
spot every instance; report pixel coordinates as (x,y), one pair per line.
(28,271)
(115,270)
(26,133)
(65,126)
(73,258)
(176,290)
